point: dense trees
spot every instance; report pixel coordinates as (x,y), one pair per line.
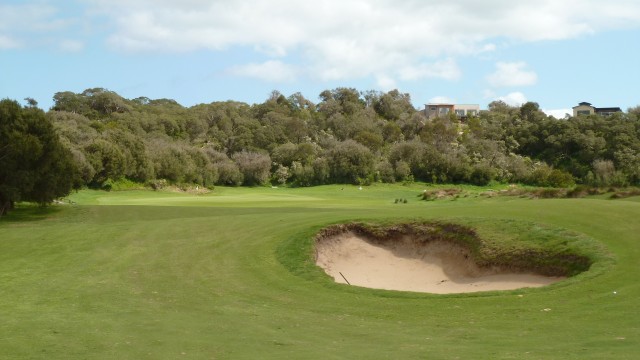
(350,162)
(254,167)
(34,164)
(347,137)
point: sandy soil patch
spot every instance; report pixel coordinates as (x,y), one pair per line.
(437,267)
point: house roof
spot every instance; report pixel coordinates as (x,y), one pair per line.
(582,104)
(609,109)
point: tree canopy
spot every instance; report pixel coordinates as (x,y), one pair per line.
(34,164)
(348,136)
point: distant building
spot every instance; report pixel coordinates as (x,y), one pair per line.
(460,110)
(585,108)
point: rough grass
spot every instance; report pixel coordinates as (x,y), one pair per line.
(153,275)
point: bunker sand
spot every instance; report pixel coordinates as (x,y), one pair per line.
(436,267)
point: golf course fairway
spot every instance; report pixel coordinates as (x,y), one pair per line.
(231,275)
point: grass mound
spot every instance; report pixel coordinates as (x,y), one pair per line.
(506,245)
(438,194)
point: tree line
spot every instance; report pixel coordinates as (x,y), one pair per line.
(348,136)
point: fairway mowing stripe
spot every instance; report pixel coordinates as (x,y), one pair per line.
(203,279)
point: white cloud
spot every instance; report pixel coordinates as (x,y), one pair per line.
(386,83)
(406,40)
(35,24)
(29,17)
(441,100)
(447,69)
(512,74)
(8,43)
(272,70)
(489,94)
(433,27)
(513,99)
(71,45)
(337,40)
(558,113)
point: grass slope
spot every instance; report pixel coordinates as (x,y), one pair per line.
(146,275)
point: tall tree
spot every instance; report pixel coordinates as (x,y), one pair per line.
(350,162)
(394,105)
(254,167)
(34,165)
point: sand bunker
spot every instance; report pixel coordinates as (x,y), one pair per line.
(436,267)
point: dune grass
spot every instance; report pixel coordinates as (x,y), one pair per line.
(156,275)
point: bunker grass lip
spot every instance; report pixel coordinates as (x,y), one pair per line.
(436,267)
(441,257)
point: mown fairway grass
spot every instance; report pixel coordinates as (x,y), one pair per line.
(152,275)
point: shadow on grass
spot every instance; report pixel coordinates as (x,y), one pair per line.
(25,212)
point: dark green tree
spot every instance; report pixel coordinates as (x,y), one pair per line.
(394,105)
(34,164)
(350,162)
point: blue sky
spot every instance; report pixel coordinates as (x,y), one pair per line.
(554,52)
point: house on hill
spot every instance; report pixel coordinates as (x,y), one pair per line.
(585,108)
(460,110)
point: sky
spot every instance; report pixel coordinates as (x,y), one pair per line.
(553,52)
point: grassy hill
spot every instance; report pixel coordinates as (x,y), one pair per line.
(155,275)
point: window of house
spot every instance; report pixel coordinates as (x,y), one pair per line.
(444,111)
(584,112)
(459,112)
(472,113)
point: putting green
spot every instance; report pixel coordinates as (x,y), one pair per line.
(147,275)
